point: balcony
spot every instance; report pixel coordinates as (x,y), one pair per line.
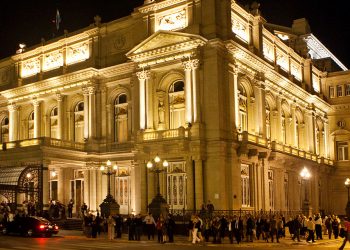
(245,138)
(178,133)
(70,145)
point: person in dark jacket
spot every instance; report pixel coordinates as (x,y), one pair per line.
(171,228)
(138,227)
(223,227)
(250,227)
(238,227)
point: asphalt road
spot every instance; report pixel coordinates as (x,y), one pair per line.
(74,240)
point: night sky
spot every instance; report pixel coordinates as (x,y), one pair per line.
(29,21)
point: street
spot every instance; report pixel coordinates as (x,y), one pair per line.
(69,240)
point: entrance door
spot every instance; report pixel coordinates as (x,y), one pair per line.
(77,194)
(176,185)
(123,194)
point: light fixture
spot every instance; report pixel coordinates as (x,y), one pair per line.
(305,174)
(157,159)
(115,167)
(29,175)
(53,173)
(347,182)
(149,164)
(165,163)
(109,163)
(102,168)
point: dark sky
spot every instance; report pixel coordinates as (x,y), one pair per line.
(29,21)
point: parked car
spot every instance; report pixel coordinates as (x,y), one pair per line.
(31,226)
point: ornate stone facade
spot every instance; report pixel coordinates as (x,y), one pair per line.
(234,110)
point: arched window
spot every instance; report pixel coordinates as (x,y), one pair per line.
(31,125)
(79,122)
(5,130)
(268,120)
(121,118)
(243,109)
(177,105)
(53,122)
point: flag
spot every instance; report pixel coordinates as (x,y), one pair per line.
(58,19)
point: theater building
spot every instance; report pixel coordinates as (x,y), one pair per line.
(237,107)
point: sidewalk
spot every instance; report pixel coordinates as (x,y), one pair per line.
(183,240)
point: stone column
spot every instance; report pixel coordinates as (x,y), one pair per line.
(260,114)
(143,76)
(93,191)
(59,116)
(195,89)
(86,113)
(92,112)
(234,97)
(61,185)
(86,187)
(189,184)
(279,119)
(310,131)
(326,139)
(274,125)
(46,187)
(199,183)
(293,131)
(187,65)
(36,105)
(13,122)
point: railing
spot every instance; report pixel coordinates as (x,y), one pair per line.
(71,145)
(164,134)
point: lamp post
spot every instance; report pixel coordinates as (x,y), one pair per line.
(305,175)
(109,206)
(158,205)
(347,209)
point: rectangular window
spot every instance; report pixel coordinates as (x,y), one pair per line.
(339,90)
(331,92)
(347,89)
(271,190)
(245,185)
(343,151)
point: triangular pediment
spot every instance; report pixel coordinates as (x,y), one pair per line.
(164,42)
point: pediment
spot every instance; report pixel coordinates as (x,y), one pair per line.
(164,42)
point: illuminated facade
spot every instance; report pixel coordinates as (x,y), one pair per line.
(237,106)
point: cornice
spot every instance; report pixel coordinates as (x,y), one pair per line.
(52,85)
(157,6)
(121,69)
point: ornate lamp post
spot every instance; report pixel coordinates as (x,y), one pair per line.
(158,205)
(347,209)
(109,205)
(305,175)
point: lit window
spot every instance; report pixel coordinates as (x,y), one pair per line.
(339,90)
(347,89)
(343,151)
(331,92)
(271,189)
(245,185)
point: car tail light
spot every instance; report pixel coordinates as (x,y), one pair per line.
(42,226)
(56,227)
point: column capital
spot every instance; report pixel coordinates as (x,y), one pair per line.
(187,65)
(143,75)
(91,90)
(59,97)
(195,64)
(85,91)
(35,102)
(13,107)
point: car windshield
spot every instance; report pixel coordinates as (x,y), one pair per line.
(41,219)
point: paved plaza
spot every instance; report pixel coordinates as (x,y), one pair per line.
(72,240)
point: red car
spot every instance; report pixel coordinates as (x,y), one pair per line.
(31,226)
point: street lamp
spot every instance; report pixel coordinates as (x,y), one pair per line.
(305,175)
(347,209)
(109,205)
(158,205)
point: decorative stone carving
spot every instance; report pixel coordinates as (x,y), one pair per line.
(143,75)
(119,42)
(53,60)
(30,67)
(78,53)
(173,21)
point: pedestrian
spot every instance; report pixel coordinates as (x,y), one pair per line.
(328,224)
(210,209)
(230,227)
(131,227)
(335,226)
(318,226)
(250,228)
(150,225)
(238,227)
(70,208)
(111,224)
(346,228)
(296,224)
(159,227)
(196,228)
(138,227)
(84,209)
(171,228)
(273,228)
(311,230)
